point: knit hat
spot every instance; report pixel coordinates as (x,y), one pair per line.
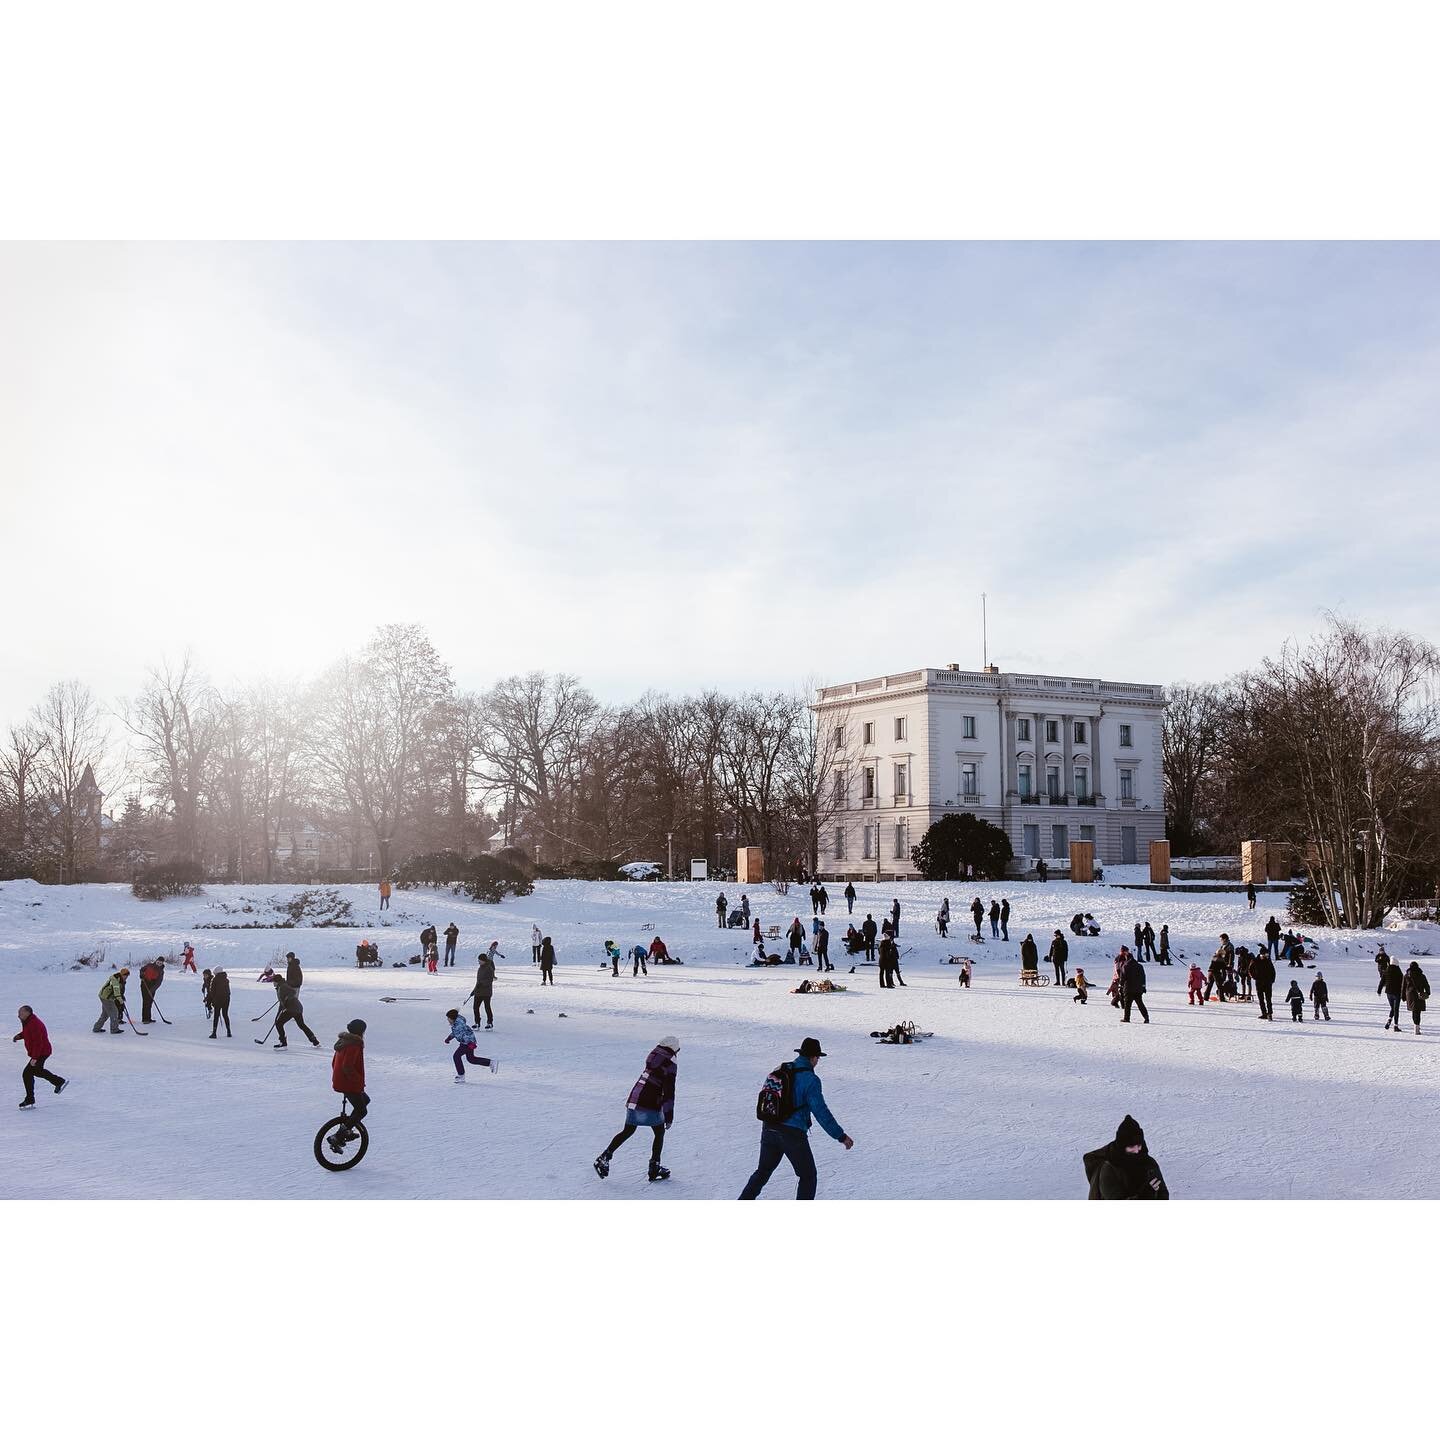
(356,1027)
(1129,1133)
(669,1042)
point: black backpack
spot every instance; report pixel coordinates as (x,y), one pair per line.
(776,1101)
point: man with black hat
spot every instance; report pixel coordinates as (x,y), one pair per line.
(1125,1169)
(790,1139)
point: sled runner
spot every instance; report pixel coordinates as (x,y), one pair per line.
(1034,978)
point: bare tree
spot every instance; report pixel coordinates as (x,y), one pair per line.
(534,730)
(753,750)
(1190,750)
(372,719)
(174,722)
(276,719)
(19,761)
(69,723)
(1333,748)
(818,756)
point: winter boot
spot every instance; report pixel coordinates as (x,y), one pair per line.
(602,1165)
(658,1172)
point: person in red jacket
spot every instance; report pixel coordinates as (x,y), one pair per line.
(659,955)
(347,1069)
(1197,985)
(37,1047)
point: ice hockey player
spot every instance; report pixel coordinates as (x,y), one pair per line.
(288,1007)
(152,977)
(788,1138)
(484,989)
(37,1051)
(1125,1169)
(187,957)
(464,1038)
(205,979)
(112,1001)
(219,1003)
(652,1103)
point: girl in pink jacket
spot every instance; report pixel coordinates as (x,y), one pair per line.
(1197,985)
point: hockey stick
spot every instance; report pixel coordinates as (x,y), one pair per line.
(155,1006)
(256,1019)
(270,1031)
(132,1024)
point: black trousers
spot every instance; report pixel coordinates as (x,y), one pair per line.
(887,979)
(36,1070)
(359,1104)
(1262,993)
(219,1013)
(147,998)
(1138,1001)
(656,1145)
(547,974)
(1059,971)
(489,1013)
(869,949)
(783,1142)
(299,1021)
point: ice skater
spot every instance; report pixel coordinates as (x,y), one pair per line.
(464,1038)
(652,1103)
(37,1051)
(787,1137)
(219,1004)
(1320,995)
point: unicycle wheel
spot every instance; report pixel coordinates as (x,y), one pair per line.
(341,1143)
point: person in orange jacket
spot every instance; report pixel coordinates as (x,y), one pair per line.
(384,894)
(347,1068)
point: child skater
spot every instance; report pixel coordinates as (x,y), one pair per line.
(464,1038)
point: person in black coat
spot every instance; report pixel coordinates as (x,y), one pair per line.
(1320,995)
(1262,972)
(995,919)
(889,964)
(289,1008)
(978,911)
(452,935)
(1392,983)
(219,998)
(1417,991)
(1164,951)
(1139,940)
(294,975)
(895,918)
(1132,989)
(1125,1169)
(1029,954)
(1005,919)
(1059,953)
(822,948)
(1147,936)
(868,931)
(1272,937)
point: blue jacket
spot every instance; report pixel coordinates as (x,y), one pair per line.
(460,1031)
(810,1101)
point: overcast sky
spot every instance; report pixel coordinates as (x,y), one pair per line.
(674,466)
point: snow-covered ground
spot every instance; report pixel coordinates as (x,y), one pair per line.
(1001,1104)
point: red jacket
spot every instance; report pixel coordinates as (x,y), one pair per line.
(37,1040)
(347,1069)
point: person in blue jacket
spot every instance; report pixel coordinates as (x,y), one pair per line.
(790,1140)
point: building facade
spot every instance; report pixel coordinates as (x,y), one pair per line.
(1047,758)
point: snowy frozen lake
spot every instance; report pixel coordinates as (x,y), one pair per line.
(1016,1085)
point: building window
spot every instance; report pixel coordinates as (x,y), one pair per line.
(1032,842)
(1125,736)
(900,777)
(967,727)
(866,852)
(868,732)
(869,791)
(839,737)
(1052,732)
(1079,732)
(899,727)
(839,787)
(967,780)
(900,851)
(1059,844)
(1052,781)
(1087,832)
(1025,781)
(839,842)
(1127,784)
(1082,782)
(1022,729)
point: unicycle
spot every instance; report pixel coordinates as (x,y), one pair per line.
(341,1143)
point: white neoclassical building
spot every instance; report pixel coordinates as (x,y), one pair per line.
(1048,758)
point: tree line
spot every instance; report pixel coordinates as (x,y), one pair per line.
(384,756)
